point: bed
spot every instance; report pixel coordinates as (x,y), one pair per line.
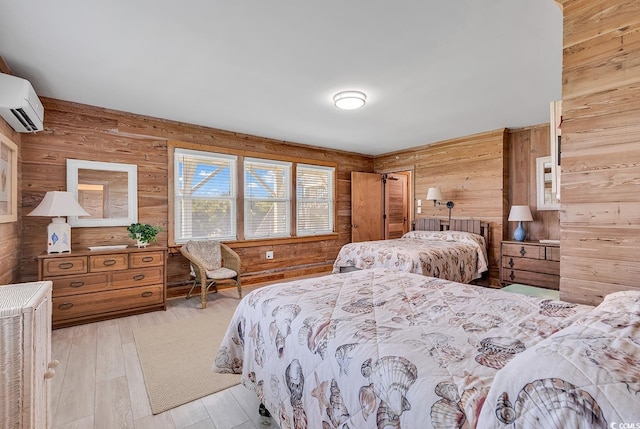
(386,349)
(455,251)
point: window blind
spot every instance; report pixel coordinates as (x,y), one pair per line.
(314,199)
(267,198)
(204,195)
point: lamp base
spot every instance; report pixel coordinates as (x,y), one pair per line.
(519,234)
(58,236)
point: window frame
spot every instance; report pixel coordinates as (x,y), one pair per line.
(331,199)
(241,241)
(286,199)
(233,187)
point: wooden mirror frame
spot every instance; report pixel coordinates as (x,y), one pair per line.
(74,165)
(541,180)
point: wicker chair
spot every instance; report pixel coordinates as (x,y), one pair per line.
(211,261)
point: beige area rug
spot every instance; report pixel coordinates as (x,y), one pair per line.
(176,359)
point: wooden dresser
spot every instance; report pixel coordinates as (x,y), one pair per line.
(96,285)
(531,263)
(25,355)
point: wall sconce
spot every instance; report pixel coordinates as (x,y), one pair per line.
(520,214)
(435,194)
(58,204)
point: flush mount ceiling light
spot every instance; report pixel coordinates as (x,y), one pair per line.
(349,100)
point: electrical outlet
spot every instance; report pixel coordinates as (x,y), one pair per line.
(269,254)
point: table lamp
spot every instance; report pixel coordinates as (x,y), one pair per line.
(520,214)
(58,204)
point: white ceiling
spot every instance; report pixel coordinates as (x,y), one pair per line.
(432,70)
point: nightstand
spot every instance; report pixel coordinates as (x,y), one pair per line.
(531,263)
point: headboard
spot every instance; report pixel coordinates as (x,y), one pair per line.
(466,225)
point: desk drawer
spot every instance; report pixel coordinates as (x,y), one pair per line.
(90,304)
(64,266)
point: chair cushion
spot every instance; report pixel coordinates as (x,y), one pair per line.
(207,252)
(221,273)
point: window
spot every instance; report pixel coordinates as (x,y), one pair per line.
(267,198)
(314,198)
(204,196)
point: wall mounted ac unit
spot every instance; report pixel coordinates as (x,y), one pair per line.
(19,104)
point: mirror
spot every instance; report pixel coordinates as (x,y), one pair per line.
(547,199)
(106,190)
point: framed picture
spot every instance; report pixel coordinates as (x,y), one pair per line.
(8,180)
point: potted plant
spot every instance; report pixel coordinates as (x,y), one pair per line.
(143,233)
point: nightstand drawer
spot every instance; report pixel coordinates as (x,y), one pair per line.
(523,250)
(113,262)
(148,259)
(552,253)
(536,265)
(64,266)
(549,281)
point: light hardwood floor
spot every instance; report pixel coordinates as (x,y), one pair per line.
(99,382)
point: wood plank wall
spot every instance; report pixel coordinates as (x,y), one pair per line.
(10,231)
(471,171)
(91,133)
(600,212)
(525,145)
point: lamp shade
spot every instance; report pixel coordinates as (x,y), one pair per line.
(434,194)
(59,203)
(520,213)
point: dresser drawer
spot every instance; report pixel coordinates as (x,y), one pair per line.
(112,262)
(148,259)
(549,281)
(523,250)
(139,277)
(64,266)
(87,305)
(80,284)
(536,265)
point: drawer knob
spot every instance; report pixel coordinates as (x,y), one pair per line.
(138,277)
(65,306)
(146,294)
(511,263)
(65,265)
(522,251)
(76,284)
(147,259)
(109,262)
(512,276)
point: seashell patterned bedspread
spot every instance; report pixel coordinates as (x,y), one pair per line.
(383,349)
(585,376)
(453,255)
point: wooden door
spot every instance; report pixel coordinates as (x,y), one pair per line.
(366,207)
(396,206)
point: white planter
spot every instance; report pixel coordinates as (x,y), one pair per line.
(140,243)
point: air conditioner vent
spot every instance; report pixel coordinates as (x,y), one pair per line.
(19,104)
(24,119)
